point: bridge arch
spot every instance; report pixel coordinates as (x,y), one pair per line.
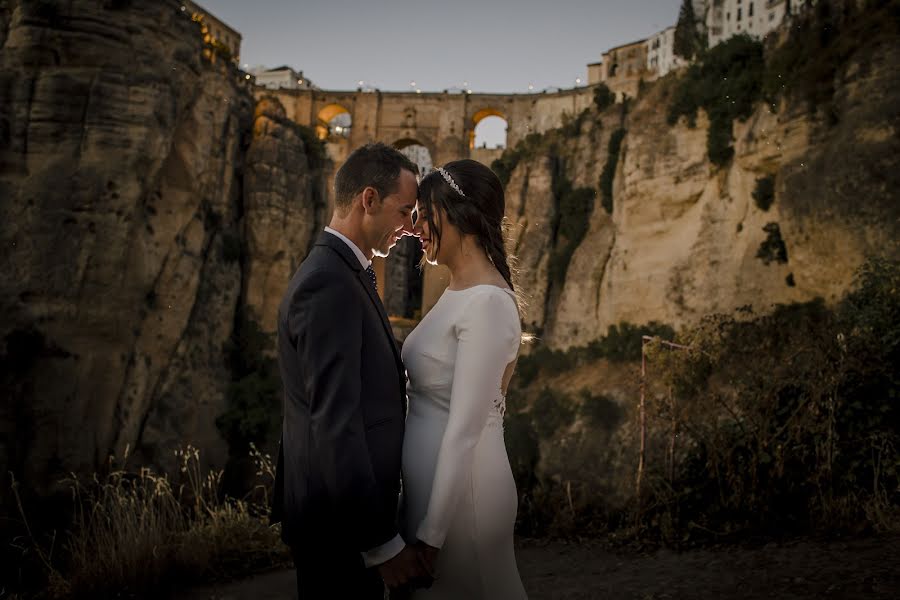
(419,151)
(480,116)
(330,121)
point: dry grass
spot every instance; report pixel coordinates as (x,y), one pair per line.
(142,534)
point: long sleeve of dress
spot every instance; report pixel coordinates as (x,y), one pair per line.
(488,335)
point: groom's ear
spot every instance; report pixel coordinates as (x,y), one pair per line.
(370,199)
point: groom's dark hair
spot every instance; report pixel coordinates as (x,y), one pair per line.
(376,165)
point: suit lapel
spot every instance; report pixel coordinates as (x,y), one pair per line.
(373,296)
(338,245)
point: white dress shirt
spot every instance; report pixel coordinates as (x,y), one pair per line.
(386,552)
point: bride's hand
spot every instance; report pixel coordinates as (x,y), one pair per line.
(427,556)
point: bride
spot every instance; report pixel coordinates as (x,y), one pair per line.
(459,495)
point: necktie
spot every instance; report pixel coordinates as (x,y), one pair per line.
(371,273)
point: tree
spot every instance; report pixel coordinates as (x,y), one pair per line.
(687,36)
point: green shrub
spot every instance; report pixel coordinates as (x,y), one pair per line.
(689,41)
(525,149)
(787,423)
(772,249)
(550,412)
(505,165)
(601,411)
(574,208)
(621,343)
(603,97)
(821,43)
(726,82)
(523,448)
(609,169)
(783,424)
(571,126)
(764,192)
(254,401)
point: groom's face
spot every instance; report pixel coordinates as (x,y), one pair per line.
(392,219)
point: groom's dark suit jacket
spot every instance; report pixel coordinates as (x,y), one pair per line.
(338,474)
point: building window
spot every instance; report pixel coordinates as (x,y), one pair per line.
(750,10)
(728,16)
(771,16)
(739,14)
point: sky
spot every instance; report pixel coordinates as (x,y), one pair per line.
(488,45)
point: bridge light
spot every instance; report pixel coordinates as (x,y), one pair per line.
(247,76)
(578,81)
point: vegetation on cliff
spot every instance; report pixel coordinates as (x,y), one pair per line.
(574,208)
(253,412)
(820,44)
(771,425)
(509,160)
(609,169)
(690,38)
(603,97)
(764,192)
(726,82)
(730,79)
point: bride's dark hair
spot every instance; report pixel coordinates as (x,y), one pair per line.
(479,213)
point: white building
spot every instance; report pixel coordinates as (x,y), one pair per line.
(282,77)
(725,18)
(661,56)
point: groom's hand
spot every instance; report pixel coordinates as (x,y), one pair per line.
(402,569)
(427,557)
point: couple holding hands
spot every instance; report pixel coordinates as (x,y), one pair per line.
(392,469)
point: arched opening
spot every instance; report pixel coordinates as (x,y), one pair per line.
(489,127)
(416,152)
(334,121)
(402,275)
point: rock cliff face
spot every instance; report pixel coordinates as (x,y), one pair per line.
(683,236)
(146,205)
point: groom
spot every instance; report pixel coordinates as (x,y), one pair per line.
(338,474)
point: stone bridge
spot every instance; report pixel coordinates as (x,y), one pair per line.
(444,124)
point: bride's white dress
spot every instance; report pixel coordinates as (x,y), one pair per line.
(459,493)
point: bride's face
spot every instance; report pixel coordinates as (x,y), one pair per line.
(435,252)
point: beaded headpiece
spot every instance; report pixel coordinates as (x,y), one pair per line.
(450,181)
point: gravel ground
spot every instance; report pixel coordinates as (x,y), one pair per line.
(807,569)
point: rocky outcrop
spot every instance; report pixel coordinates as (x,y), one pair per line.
(145,205)
(283,203)
(684,237)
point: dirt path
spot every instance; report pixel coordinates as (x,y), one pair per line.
(864,569)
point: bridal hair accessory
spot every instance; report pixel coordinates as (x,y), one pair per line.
(450,181)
